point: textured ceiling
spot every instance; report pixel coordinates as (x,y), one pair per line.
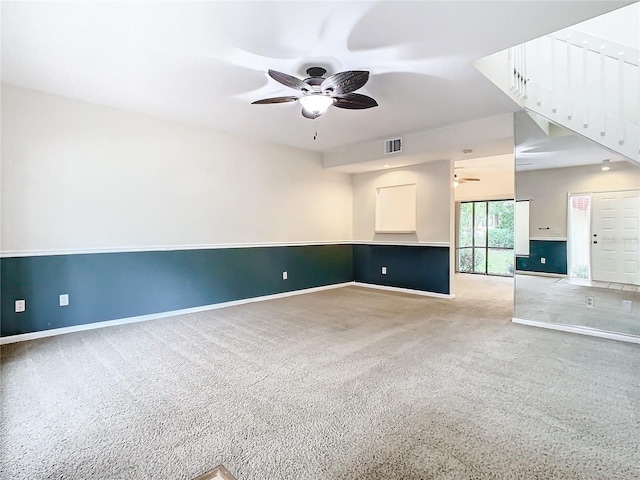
(204,62)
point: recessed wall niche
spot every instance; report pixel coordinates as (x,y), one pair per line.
(396,209)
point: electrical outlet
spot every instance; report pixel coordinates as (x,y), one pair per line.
(627,306)
(384,270)
(543,260)
(64,300)
(589,302)
(285,275)
(21,306)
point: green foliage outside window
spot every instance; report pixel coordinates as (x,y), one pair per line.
(497,226)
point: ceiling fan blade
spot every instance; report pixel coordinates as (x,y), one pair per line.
(344,82)
(289,81)
(354,101)
(310,115)
(266,101)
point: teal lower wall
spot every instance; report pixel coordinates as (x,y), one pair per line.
(423,268)
(553,251)
(109,286)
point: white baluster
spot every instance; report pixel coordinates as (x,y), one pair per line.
(511,69)
(516,66)
(603,129)
(621,96)
(585,82)
(569,99)
(520,70)
(554,108)
(524,71)
(539,70)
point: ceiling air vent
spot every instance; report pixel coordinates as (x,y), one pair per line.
(393,146)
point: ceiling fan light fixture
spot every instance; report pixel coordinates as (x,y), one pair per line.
(316,103)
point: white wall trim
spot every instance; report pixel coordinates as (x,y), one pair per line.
(213,246)
(143,318)
(159,248)
(483,198)
(541,274)
(405,290)
(549,239)
(579,330)
(402,244)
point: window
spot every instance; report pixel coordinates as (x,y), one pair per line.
(486,237)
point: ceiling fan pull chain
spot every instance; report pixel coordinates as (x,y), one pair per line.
(315,129)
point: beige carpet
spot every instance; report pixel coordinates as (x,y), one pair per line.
(345,384)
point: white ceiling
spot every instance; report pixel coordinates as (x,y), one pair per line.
(205,62)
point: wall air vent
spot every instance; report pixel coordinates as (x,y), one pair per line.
(393,146)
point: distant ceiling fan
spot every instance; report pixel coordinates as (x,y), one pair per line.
(458,180)
(319,93)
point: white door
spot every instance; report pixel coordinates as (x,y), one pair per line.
(615,252)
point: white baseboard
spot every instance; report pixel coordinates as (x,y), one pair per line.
(580,330)
(541,274)
(405,290)
(143,318)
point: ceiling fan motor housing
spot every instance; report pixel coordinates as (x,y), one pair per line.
(316,71)
(316,77)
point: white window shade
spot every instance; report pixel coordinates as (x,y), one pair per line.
(522,228)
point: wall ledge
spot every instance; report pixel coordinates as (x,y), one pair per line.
(548,239)
(160,248)
(212,246)
(401,244)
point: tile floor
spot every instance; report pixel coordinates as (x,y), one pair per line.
(598,284)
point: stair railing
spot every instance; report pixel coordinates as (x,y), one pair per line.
(583,82)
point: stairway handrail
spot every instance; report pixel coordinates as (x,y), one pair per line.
(598,45)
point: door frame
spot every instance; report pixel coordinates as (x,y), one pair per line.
(619,256)
(590,194)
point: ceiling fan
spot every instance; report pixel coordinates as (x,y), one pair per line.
(458,180)
(319,93)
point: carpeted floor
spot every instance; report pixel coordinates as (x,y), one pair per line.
(351,384)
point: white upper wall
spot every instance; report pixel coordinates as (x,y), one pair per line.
(81,176)
(548,191)
(433,186)
(496,176)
